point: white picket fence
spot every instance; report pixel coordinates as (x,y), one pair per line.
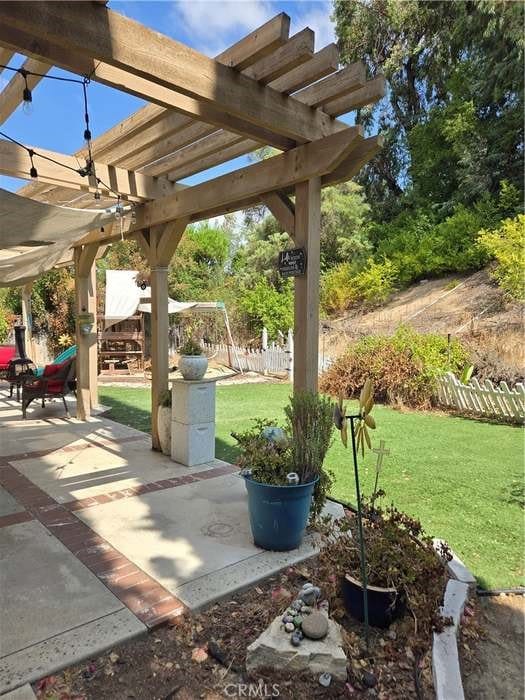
(276,359)
(487,400)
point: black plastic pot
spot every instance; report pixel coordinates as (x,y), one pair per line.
(384,604)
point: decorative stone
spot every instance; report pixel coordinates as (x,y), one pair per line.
(310,595)
(296,639)
(325,679)
(297,604)
(289,627)
(287,618)
(315,625)
(306,610)
(307,585)
(369,679)
(273,649)
(298,621)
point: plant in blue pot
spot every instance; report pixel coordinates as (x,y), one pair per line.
(283,470)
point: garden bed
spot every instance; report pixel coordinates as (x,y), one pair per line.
(176,662)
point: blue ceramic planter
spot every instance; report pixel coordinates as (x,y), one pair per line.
(279,514)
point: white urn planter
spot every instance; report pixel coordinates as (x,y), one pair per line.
(164,427)
(193,367)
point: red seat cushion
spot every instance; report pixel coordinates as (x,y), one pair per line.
(55,386)
(7,352)
(50,370)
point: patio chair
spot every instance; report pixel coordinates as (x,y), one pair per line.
(66,354)
(57,381)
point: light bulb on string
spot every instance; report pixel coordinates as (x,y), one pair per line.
(27,102)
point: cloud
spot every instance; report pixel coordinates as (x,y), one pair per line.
(315,15)
(212,25)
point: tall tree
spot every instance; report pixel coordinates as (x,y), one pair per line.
(452,117)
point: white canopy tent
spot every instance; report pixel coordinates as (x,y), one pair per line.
(124,297)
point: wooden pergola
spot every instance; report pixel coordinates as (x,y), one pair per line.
(267,89)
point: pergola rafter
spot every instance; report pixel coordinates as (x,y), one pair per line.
(267,89)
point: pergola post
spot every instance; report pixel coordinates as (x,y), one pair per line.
(158,245)
(86,302)
(306,306)
(27,318)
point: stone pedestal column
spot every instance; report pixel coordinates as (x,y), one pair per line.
(193,421)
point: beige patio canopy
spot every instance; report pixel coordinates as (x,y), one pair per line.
(266,89)
(36,237)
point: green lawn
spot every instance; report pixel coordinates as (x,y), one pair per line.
(462,478)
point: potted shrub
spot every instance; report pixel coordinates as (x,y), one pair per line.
(403,570)
(164,422)
(381,559)
(193,362)
(283,471)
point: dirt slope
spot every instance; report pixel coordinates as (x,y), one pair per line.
(465,306)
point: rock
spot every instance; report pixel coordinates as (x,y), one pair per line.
(325,679)
(369,679)
(306,586)
(310,595)
(315,625)
(306,610)
(297,604)
(298,621)
(216,653)
(296,639)
(289,627)
(272,649)
(288,618)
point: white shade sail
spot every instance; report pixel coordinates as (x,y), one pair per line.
(34,237)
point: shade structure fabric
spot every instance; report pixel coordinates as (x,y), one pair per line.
(124,298)
(35,237)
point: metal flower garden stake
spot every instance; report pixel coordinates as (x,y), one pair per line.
(359,424)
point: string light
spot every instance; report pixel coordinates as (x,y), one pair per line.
(87,170)
(27,97)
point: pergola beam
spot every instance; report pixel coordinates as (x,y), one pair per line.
(15,162)
(301,163)
(5,56)
(176,137)
(346,80)
(202,87)
(371,92)
(11,95)
(282,208)
(153,123)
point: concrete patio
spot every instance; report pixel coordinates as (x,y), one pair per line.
(102,539)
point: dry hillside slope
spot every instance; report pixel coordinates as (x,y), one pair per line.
(470,306)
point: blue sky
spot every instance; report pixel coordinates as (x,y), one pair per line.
(56,121)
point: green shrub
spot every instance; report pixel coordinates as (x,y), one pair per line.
(419,245)
(263,305)
(341,287)
(506,246)
(375,283)
(403,367)
(337,292)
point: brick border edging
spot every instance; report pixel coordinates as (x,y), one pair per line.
(446,670)
(150,602)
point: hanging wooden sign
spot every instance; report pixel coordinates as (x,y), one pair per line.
(292,263)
